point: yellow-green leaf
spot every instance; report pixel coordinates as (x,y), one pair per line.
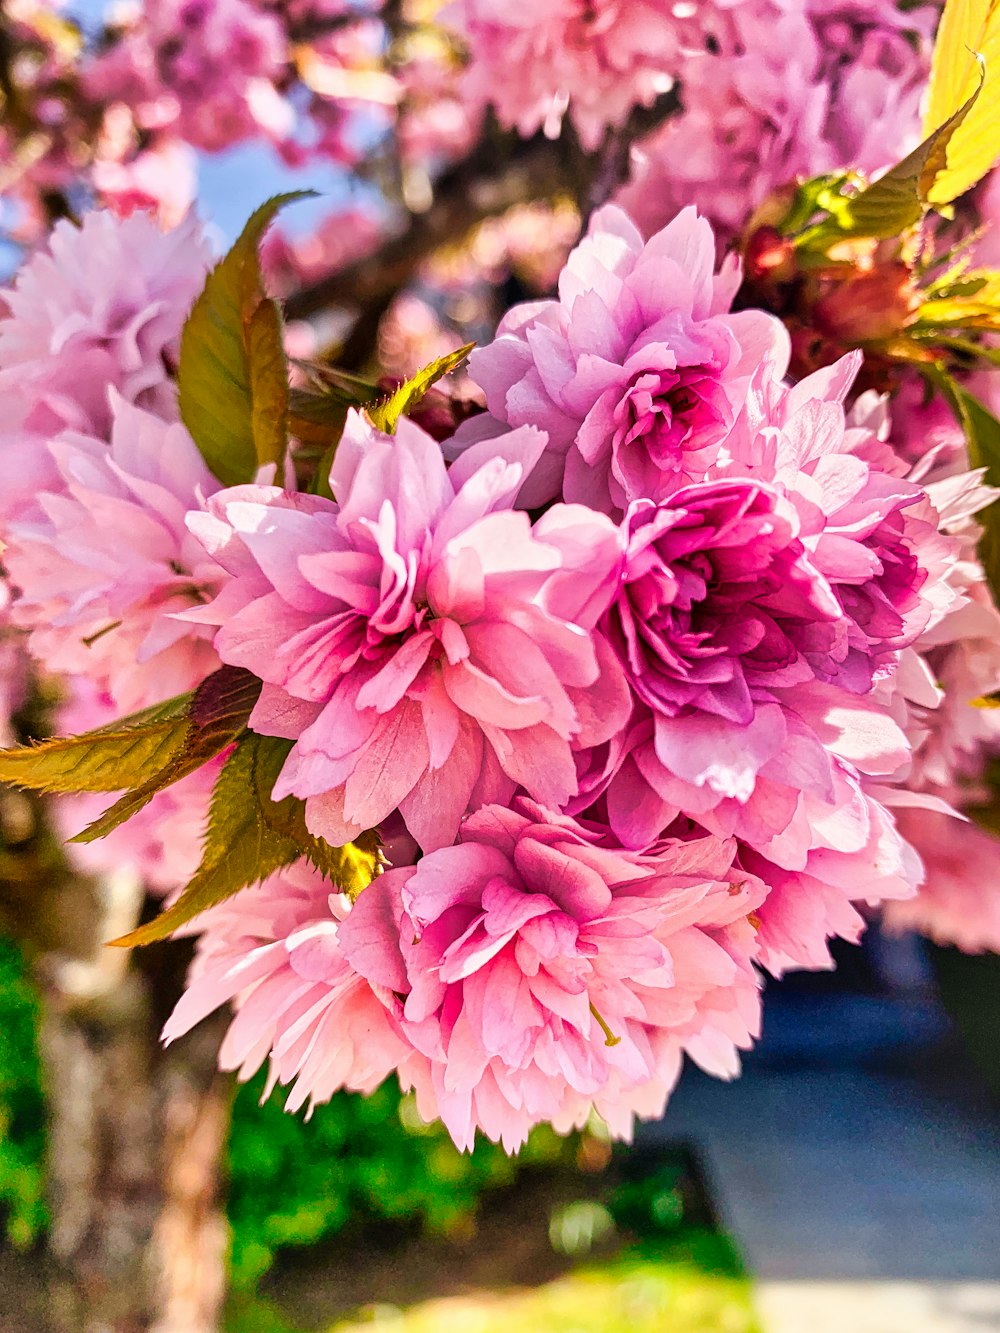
(216,716)
(968,29)
(268,371)
(317,417)
(970,301)
(250,836)
(240,848)
(233,379)
(898,199)
(385,414)
(107,759)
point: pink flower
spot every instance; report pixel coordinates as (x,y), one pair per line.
(636,373)
(774,91)
(721,606)
(103,562)
(274,951)
(958,902)
(421,643)
(101,308)
(531,61)
(757,613)
(548,974)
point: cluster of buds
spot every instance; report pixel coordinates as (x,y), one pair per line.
(911,301)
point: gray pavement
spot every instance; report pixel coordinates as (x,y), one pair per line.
(857,1165)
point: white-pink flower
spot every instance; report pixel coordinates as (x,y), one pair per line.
(102,563)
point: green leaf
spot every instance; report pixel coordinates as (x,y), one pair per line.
(982,432)
(897,200)
(233,377)
(107,759)
(216,715)
(353,867)
(965,347)
(385,414)
(968,34)
(250,836)
(317,417)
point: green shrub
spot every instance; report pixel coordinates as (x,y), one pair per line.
(359,1160)
(22,1107)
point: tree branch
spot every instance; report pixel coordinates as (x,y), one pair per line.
(484,185)
(502,171)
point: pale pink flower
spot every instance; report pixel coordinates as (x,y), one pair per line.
(773,91)
(102,307)
(636,372)
(958,902)
(598,58)
(940,694)
(102,563)
(421,643)
(162,843)
(546,974)
(274,952)
(834,853)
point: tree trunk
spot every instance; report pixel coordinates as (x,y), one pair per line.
(137,1133)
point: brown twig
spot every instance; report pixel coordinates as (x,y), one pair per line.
(501,172)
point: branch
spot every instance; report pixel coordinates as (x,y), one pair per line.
(485,184)
(501,172)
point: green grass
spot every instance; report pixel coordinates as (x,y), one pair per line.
(635,1250)
(630,1296)
(22,1107)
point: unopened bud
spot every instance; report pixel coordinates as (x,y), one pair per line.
(769,255)
(868,307)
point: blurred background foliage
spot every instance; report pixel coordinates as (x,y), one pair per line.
(22,1106)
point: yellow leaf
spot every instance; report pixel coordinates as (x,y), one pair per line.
(970,299)
(969,29)
(385,414)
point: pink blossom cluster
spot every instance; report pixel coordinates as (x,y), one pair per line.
(632,672)
(773,90)
(98,477)
(205,68)
(595,58)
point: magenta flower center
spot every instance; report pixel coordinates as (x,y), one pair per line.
(721,603)
(665,412)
